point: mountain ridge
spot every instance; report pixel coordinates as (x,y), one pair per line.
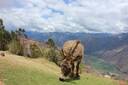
(93,42)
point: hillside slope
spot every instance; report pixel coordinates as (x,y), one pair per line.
(118,57)
(18,70)
(100,65)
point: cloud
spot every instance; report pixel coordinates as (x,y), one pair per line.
(66,15)
(12,3)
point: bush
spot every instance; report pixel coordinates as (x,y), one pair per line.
(35,51)
(15,47)
(51,54)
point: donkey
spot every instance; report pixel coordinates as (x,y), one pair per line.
(73,51)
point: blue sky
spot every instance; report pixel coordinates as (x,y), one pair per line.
(66,15)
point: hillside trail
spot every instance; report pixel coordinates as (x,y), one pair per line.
(121,82)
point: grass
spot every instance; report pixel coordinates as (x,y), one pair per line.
(17,70)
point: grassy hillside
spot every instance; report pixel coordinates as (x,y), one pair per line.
(17,70)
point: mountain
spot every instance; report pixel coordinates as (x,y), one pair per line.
(101,66)
(93,42)
(118,57)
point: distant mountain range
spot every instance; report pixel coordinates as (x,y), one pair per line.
(93,42)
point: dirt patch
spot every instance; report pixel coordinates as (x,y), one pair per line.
(121,82)
(1,83)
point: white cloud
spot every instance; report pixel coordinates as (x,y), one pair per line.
(77,16)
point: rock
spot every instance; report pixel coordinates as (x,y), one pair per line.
(2,54)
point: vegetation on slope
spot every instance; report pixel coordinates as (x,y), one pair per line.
(4,36)
(101,65)
(17,70)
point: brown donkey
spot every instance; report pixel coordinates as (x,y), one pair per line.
(73,51)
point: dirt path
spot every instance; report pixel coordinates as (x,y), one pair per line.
(121,82)
(1,83)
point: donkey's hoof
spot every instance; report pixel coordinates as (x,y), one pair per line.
(71,75)
(61,79)
(77,77)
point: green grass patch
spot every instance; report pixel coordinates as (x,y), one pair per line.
(24,76)
(16,74)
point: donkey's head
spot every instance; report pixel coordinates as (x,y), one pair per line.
(65,70)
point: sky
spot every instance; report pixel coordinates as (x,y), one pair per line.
(109,16)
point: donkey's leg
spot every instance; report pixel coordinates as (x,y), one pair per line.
(77,70)
(72,70)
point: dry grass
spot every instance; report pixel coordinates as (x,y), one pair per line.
(39,64)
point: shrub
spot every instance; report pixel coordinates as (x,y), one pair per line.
(51,54)
(35,51)
(15,47)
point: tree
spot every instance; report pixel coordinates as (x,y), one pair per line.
(21,33)
(51,43)
(4,36)
(1,24)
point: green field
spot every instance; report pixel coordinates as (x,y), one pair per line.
(18,70)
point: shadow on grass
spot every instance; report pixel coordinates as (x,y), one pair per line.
(72,81)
